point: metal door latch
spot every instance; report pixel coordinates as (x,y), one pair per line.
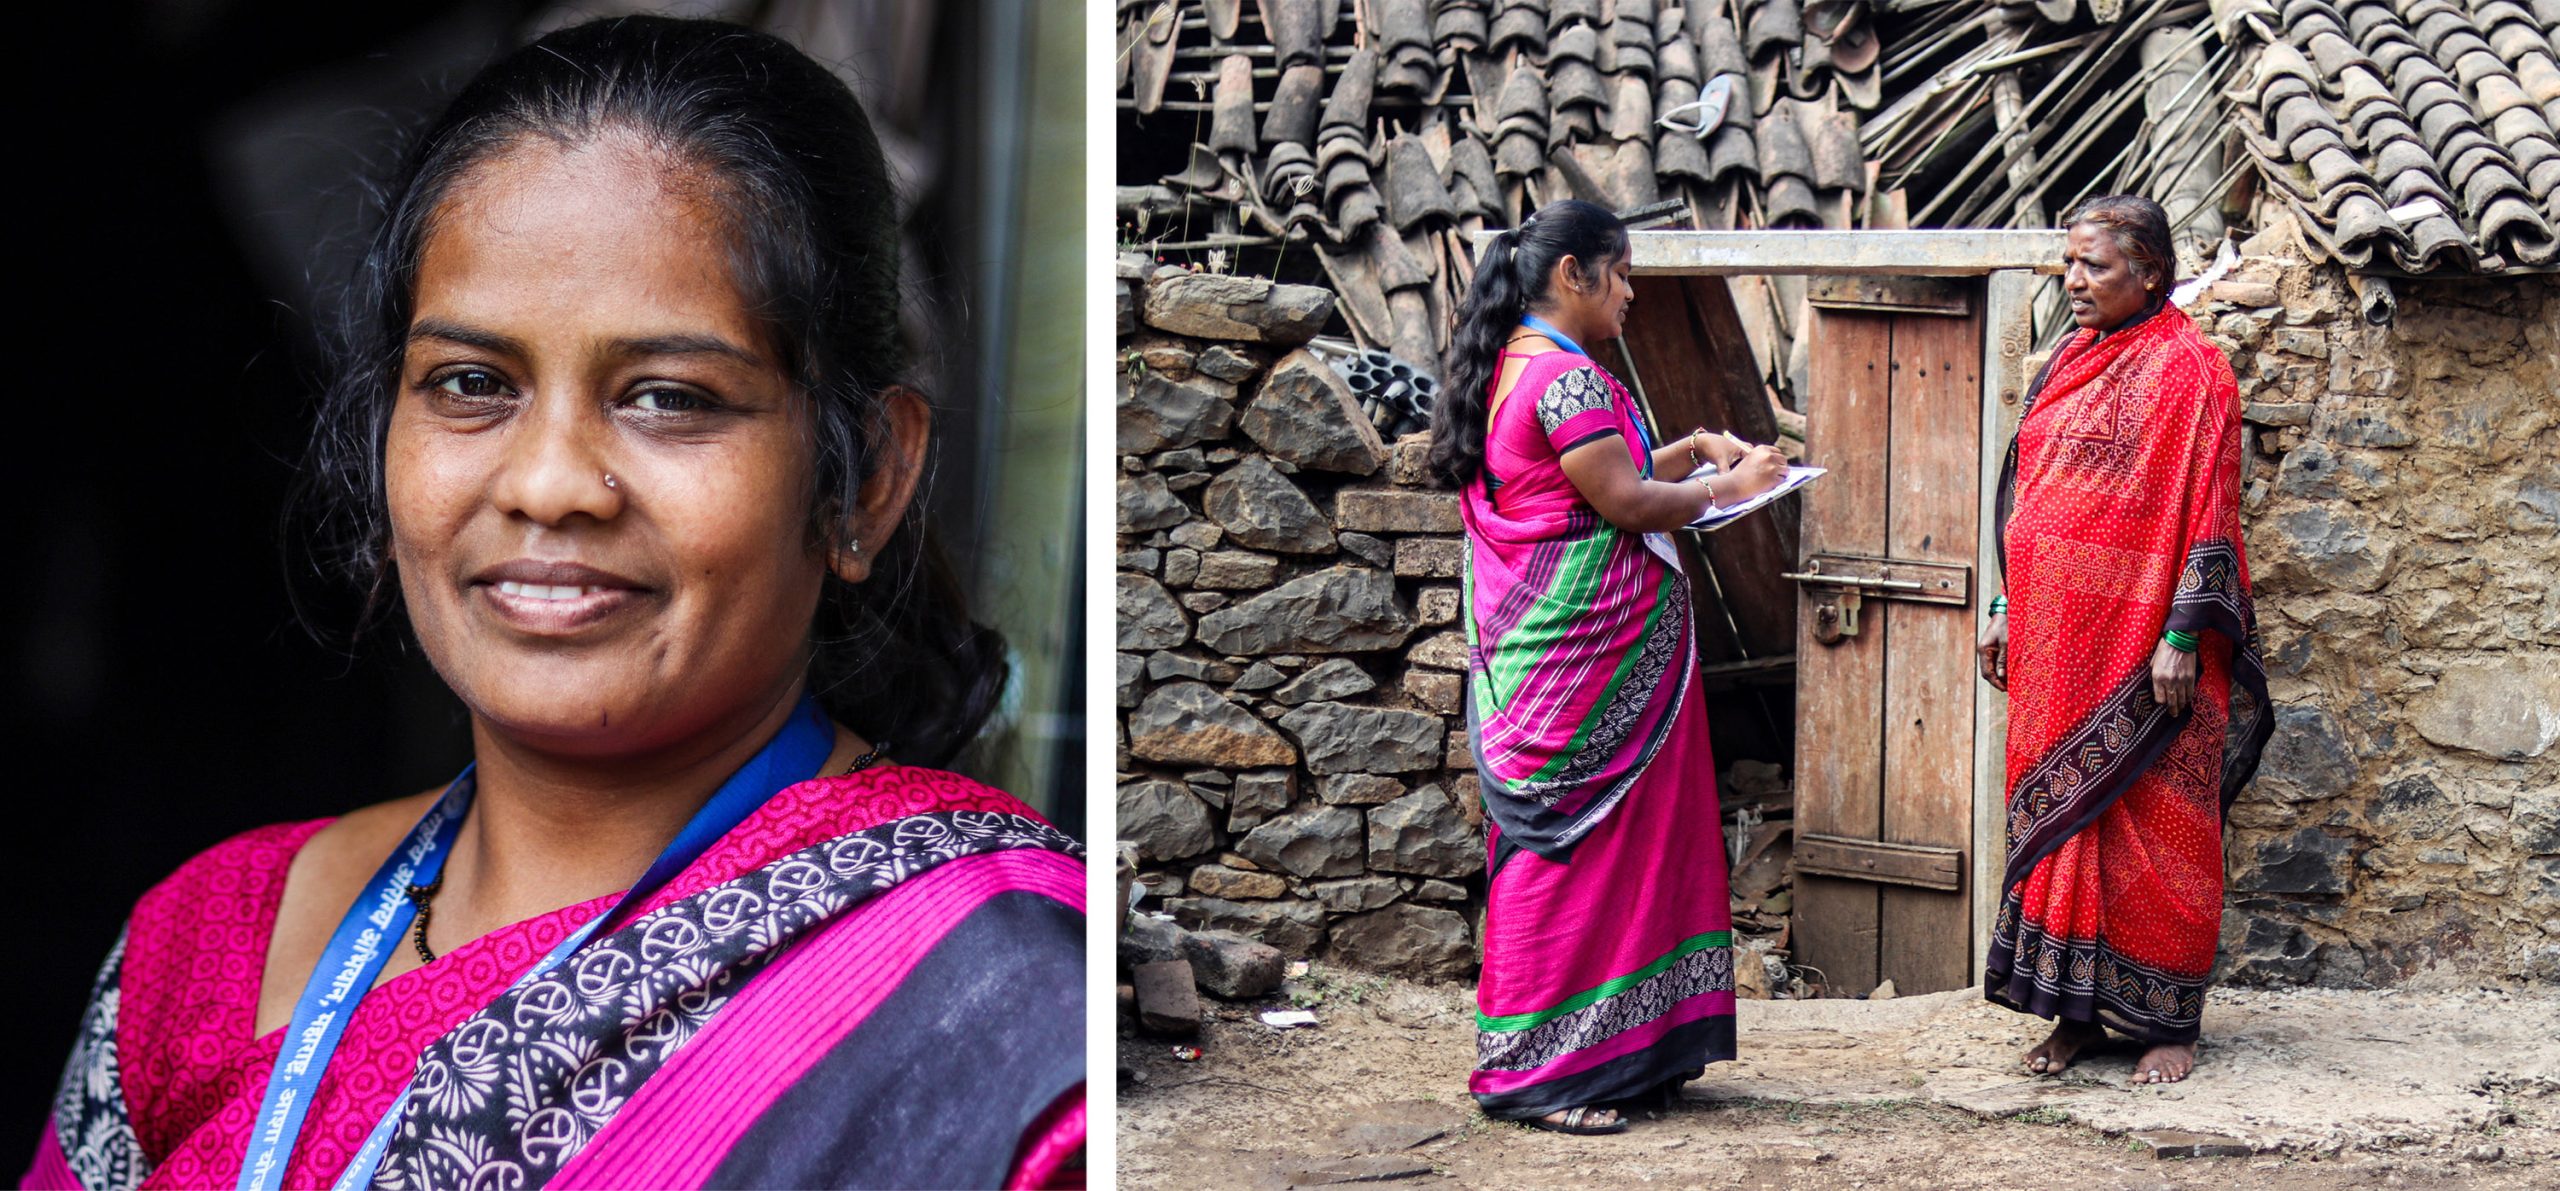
(1843,583)
(1835,615)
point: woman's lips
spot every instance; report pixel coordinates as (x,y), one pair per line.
(542,608)
(553,597)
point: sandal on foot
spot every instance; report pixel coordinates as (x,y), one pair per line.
(1573,1123)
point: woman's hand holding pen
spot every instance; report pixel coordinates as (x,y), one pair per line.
(1721,448)
(1742,470)
(1758,470)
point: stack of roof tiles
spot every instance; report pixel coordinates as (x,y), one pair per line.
(2404,135)
(2415,135)
(1384,130)
(1564,95)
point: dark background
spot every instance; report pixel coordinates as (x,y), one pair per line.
(193,172)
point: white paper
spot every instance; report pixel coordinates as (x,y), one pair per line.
(1797,477)
(1288,1019)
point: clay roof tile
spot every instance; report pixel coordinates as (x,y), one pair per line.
(1783,152)
(1731,151)
(1296,102)
(1771,27)
(1413,190)
(1231,116)
(1519,25)
(1347,106)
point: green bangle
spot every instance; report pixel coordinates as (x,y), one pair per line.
(2180,640)
(1999,605)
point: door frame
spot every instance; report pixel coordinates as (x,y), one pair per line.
(2011,263)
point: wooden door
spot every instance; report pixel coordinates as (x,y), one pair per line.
(1885,631)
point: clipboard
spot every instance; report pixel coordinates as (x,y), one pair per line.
(1715,519)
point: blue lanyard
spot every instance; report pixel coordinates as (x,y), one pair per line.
(355,954)
(1644,438)
(1548,329)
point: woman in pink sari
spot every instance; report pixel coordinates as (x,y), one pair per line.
(618,428)
(1608,969)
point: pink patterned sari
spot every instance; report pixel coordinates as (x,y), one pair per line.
(1608,967)
(875,978)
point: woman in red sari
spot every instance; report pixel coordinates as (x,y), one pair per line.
(2126,621)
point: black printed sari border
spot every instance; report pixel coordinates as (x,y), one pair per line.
(2089,981)
(2085,772)
(2211,597)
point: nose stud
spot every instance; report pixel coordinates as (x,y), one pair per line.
(610,482)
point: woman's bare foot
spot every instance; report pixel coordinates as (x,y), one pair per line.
(2053,1055)
(1581,1119)
(2165,1064)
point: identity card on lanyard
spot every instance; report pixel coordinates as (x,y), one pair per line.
(356,951)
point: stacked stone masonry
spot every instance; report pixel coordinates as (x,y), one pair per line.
(1292,754)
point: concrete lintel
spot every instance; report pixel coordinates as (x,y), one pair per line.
(1955,252)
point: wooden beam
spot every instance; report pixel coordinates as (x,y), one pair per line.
(1883,862)
(2016,139)
(1928,253)
(2006,342)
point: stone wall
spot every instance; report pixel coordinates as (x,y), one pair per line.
(2402,513)
(1291,754)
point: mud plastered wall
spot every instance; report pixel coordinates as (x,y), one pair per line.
(2402,512)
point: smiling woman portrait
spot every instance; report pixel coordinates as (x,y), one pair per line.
(618,428)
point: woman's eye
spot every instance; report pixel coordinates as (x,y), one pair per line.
(669,401)
(472,384)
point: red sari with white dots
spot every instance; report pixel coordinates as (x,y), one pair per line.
(2124,486)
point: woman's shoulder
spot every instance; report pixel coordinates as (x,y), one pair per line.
(1546,370)
(227,898)
(2189,371)
(242,871)
(1573,391)
(890,801)
(847,803)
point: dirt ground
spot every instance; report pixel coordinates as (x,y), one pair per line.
(2294,1089)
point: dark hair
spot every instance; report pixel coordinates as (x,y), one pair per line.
(1511,280)
(806,194)
(2141,232)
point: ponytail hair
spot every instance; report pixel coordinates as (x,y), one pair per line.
(1512,279)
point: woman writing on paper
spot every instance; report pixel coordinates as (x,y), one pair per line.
(1608,971)
(2126,622)
(619,429)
